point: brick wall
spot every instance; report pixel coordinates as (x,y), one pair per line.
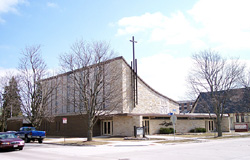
(76,126)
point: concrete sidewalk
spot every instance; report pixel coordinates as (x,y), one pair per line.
(151,140)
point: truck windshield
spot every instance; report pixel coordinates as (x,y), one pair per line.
(28,129)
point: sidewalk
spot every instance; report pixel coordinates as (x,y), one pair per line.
(152,140)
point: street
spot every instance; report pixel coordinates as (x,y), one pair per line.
(230,149)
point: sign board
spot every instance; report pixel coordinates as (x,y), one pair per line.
(64,120)
(173,119)
(139,130)
(241,127)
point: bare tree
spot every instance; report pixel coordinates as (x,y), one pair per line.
(217,76)
(94,87)
(36,95)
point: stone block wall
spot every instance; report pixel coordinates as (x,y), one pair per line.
(182,126)
(149,100)
(225,124)
(124,125)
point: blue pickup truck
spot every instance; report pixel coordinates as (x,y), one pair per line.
(31,134)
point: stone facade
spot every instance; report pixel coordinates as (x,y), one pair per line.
(182,126)
(149,100)
(124,125)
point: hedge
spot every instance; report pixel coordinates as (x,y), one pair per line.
(198,130)
(166,130)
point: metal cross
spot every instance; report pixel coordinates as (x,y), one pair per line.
(133,41)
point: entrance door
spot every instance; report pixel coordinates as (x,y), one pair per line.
(146,124)
(209,125)
(107,127)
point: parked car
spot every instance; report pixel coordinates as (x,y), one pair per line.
(9,140)
(31,134)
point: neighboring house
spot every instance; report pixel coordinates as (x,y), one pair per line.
(186,106)
(237,106)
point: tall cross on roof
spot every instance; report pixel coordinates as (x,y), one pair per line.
(134,75)
(133,42)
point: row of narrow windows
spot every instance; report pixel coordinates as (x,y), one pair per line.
(240,118)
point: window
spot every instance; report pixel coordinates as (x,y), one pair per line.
(242,118)
(68,93)
(237,118)
(107,127)
(209,125)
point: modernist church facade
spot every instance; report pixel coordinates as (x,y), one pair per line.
(151,110)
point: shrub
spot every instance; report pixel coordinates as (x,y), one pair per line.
(198,130)
(166,130)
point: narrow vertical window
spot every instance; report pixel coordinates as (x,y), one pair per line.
(237,117)
(242,118)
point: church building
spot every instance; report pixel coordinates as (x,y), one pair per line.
(137,104)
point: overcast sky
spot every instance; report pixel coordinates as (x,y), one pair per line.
(168,32)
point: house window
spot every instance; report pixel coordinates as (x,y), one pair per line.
(68,94)
(242,118)
(237,118)
(211,125)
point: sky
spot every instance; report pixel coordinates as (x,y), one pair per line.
(168,33)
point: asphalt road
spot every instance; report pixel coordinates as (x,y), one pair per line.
(229,149)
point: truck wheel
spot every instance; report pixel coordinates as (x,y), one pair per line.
(40,140)
(27,140)
(21,148)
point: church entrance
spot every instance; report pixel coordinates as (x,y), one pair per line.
(107,127)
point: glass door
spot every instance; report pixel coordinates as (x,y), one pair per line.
(146,124)
(107,127)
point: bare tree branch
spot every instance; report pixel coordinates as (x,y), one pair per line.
(35,93)
(94,87)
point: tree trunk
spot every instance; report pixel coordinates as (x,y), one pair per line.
(219,129)
(2,127)
(90,134)
(90,129)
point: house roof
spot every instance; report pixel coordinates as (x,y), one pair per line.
(238,101)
